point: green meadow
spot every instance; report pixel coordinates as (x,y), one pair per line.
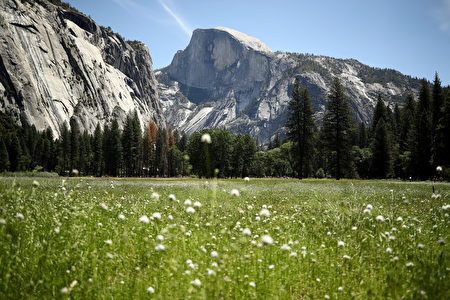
(87,238)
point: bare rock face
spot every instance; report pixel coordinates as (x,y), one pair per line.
(57,64)
(228,79)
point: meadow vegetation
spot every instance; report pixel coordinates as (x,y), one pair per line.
(219,239)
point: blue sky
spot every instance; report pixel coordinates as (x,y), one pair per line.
(412,36)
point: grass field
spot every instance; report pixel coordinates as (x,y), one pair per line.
(286,239)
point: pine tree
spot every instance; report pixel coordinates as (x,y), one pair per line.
(362,136)
(4,157)
(82,156)
(97,147)
(301,128)
(14,152)
(443,133)
(116,149)
(248,153)
(407,127)
(65,148)
(106,148)
(381,144)
(438,109)
(74,146)
(337,124)
(381,151)
(423,122)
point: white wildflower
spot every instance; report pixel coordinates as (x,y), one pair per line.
(20,216)
(293,254)
(64,290)
(214,254)
(190,210)
(252,284)
(246,232)
(388,250)
(160,247)
(197,204)
(246,179)
(121,217)
(151,290)
(108,242)
(144,219)
(172,197)
(211,272)
(341,244)
(410,264)
(155,196)
(267,240)
(379,218)
(188,202)
(2,222)
(420,246)
(56,230)
(264,212)
(104,206)
(234,193)
(285,247)
(439,169)
(196,281)
(156,215)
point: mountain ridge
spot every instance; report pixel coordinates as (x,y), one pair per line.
(218,82)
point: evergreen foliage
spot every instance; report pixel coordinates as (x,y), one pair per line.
(382,141)
(406,143)
(421,154)
(301,129)
(337,125)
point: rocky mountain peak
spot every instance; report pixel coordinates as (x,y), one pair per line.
(228,79)
(249,41)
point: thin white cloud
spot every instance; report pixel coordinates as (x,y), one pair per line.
(177,19)
(442,14)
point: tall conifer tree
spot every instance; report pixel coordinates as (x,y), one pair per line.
(423,121)
(382,141)
(301,128)
(438,109)
(337,124)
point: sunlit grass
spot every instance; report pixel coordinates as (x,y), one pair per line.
(86,238)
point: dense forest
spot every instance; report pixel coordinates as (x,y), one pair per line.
(407,142)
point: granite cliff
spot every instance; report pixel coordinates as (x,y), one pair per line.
(57,64)
(228,79)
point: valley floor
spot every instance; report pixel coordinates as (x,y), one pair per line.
(219,239)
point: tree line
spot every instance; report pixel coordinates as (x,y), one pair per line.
(407,142)
(129,152)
